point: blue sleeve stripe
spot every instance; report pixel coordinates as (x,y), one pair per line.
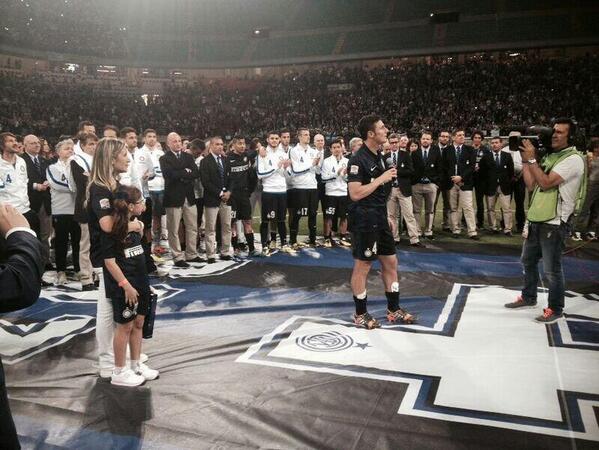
(84,162)
(60,183)
(265,173)
(300,172)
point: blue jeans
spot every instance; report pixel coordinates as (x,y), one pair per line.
(546,242)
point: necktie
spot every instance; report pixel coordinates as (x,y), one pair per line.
(425,156)
(497,159)
(36,163)
(221,170)
(459,151)
(394,159)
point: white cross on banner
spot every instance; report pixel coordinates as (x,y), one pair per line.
(480,363)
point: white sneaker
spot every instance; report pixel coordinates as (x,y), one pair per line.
(576,236)
(146,372)
(106,372)
(591,236)
(61,278)
(127,378)
(288,249)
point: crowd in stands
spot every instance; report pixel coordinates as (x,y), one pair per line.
(482,95)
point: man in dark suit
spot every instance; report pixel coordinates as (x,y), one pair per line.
(479,181)
(215,173)
(21,271)
(497,169)
(180,171)
(426,182)
(38,190)
(459,162)
(399,201)
(444,143)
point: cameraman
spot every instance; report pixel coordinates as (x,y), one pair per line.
(555,182)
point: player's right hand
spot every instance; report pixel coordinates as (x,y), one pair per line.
(389,175)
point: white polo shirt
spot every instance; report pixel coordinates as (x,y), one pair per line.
(13,184)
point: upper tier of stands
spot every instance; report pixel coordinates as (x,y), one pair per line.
(186,32)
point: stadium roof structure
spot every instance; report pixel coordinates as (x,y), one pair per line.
(253,33)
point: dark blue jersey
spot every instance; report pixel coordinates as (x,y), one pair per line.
(130,258)
(369,213)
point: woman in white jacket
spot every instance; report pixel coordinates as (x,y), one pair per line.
(62,192)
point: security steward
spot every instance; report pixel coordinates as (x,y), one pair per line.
(369,183)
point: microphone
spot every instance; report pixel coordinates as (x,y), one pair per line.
(390,165)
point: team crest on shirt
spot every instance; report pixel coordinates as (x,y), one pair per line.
(354,169)
(104,203)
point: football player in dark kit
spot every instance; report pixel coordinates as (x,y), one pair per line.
(369,184)
(243,182)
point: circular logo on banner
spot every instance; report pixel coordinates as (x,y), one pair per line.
(331,341)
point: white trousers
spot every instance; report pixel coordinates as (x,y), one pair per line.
(104,328)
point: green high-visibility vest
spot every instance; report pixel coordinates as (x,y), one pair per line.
(543,203)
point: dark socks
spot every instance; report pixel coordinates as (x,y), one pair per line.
(312,228)
(282,228)
(294,228)
(392,300)
(249,238)
(360,305)
(264,233)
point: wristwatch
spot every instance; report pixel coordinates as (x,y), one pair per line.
(531,161)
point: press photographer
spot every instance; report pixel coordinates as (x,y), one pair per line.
(557,184)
